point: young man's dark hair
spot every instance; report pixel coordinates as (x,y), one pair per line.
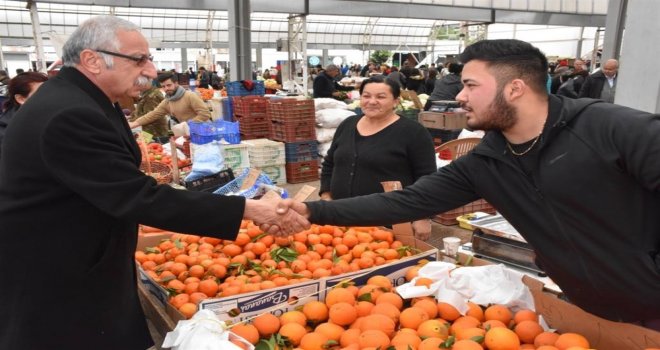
(509,59)
(167,75)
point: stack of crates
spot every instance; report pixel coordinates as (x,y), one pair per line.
(269,157)
(237,89)
(293,122)
(236,157)
(250,112)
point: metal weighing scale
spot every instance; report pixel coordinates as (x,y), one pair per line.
(495,239)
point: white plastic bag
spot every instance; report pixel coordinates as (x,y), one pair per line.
(325,103)
(323,148)
(331,118)
(324,135)
(204,331)
(207,160)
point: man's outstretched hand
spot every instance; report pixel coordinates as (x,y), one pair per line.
(285,208)
(274,217)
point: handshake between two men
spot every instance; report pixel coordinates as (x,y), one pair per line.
(278,217)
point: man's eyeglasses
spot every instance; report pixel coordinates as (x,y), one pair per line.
(141,60)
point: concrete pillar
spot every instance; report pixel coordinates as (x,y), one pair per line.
(240,53)
(614,25)
(259,58)
(324,57)
(636,87)
(184,59)
(36,32)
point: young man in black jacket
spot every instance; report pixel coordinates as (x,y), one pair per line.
(578,178)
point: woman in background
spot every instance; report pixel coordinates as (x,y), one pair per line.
(378,146)
(20,88)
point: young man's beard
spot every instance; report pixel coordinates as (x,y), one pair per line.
(499,116)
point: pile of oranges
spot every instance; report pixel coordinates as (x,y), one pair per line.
(375,317)
(205,94)
(155,154)
(193,268)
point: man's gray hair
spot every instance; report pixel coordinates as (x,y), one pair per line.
(96,33)
(331,67)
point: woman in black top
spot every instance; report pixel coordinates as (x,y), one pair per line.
(378,146)
(19,89)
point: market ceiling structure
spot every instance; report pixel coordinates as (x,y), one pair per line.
(331,24)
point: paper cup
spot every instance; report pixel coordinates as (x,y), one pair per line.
(451,245)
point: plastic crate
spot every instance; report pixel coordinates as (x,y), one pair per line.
(250,106)
(292,131)
(449,218)
(234,186)
(301,151)
(412,114)
(287,109)
(264,152)
(236,88)
(204,132)
(441,136)
(276,173)
(302,171)
(236,156)
(227,109)
(210,183)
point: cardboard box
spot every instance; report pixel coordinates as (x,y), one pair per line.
(246,305)
(566,317)
(444,120)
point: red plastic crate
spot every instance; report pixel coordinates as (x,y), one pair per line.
(250,106)
(302,171)
(449,218)
(292,131)
(285,110)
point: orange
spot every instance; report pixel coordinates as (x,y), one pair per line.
(294,332)
(337,295)
(492,324)
(196,297)
(293,317)
(567,340)
(350,336)
(527,347)
(179,300)
(266,324)
(388,310)
(342,314)
(412,272)
(373,338)
(315,311)
(380,281)
(528,330)
(378,322)
(208,287)
(391,298)
(188,310)
(546,347)
(330,330)
(466,344)
(433,328)
(430,344)
(313,341)
(447,311)
(373,292)
(196,271)
(423,281)
(406,338)
(464,322)
(545,338)
(364,308)
(469,333)
(247,331)
(498,312)
(525,314)
(429,305)
(412,317)
(499,338)
(231,250)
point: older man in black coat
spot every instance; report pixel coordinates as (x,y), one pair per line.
(72,195)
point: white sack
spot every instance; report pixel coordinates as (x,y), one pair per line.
(327,103)
(325,135)
(331,118)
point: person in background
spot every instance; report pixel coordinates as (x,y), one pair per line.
(19,90)
(148,101)
(369,149)
(179,104)
(597,240)
(429,84)
(344,70)
(580,73)
(397,77)
(4,83)
(203,78)
(191,72)
(364,71)
(447,87)
(325,84)
(19,71)
(602,84)
(72,196)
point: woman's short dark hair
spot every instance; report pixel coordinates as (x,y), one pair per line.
(22,85)
(456,68)
(394,87)
(510,59)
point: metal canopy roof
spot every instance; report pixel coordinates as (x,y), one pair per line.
(355,24)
